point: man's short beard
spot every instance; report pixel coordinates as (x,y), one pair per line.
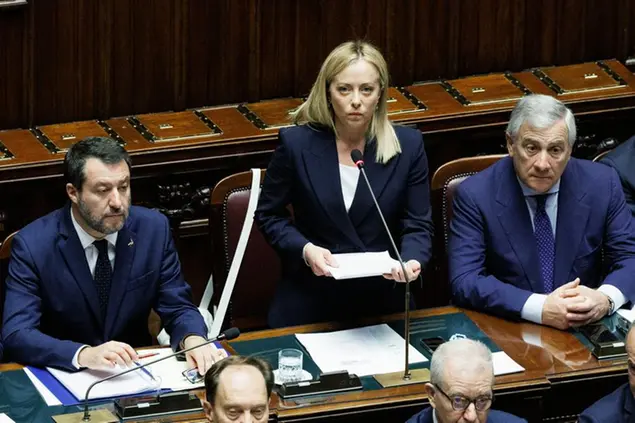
(98,224)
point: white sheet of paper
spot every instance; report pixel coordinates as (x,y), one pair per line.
(361,265)
(168,372)
(49,398)
(78,382)
(363,351)
(503,364)
(5,419)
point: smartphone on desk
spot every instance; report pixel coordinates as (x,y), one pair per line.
(599,334)
(431,344)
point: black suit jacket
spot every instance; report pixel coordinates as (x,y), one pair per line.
(304,173)
(622,159)
(617,407)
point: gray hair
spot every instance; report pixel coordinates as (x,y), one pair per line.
(540,111)
(466,354)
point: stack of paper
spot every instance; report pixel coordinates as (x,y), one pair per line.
(79,382)
(361,265)
(167,375)
(363,351)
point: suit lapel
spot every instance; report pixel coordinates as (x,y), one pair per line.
(378,175)
(124,257)
(515,220)
(572,221)
(75,258)
(322,165)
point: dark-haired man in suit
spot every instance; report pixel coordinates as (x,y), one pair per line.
(82,280)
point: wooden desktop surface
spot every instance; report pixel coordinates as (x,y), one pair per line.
(561,359)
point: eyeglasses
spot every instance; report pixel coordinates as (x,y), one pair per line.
(461,403)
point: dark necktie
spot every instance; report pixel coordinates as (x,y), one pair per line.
(103,274)
(545,242)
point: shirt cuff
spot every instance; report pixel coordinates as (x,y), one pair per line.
(75,361)
(532,310)
(304,253)
(615,294)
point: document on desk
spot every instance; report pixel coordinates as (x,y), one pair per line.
(363,351)
(5,419)
(78,382)
(361,265)
(503,364)
(168,377)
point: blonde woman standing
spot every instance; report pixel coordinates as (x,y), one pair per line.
(333,212)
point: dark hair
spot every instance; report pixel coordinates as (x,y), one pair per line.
(103,148)
(213,374)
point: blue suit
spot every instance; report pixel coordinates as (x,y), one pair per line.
(52,307)
(304,173)
(494,416)
(622,159)
(494,262)
(617,407)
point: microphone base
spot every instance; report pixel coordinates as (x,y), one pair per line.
(96,416)
(389,380)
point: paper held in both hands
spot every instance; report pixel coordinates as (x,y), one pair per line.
(373,350)
(167,373)
(362,265)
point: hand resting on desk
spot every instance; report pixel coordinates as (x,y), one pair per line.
(107,356)
(204,357)
(574,305)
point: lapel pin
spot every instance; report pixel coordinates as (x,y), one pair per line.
(131,243)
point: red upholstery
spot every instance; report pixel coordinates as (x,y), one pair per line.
(448,177)
(260,268)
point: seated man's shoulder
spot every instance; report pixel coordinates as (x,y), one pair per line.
(424,416)
(43,231)
(496,416)
(141,218)
(608,409)
(622,155)
(479,185)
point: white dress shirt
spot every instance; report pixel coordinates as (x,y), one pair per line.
(92,253)
(349,176)
(532,309)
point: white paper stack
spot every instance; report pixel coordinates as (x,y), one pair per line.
(361,265)
(363,351)
(167,375)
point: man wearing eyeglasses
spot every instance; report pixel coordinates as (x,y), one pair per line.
(460,388)
(618,406)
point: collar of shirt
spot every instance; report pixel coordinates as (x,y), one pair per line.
(528,192)
(85,238)
(434,416)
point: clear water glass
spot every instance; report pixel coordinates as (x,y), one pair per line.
(289,365)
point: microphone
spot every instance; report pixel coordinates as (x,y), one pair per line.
(228,335)
(358,159)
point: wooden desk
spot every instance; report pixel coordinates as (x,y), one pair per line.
(561,363)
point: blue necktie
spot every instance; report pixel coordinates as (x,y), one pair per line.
(103,274)
(545,243)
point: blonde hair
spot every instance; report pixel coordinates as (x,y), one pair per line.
(316,110)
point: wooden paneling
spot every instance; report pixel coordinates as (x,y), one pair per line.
(68,60)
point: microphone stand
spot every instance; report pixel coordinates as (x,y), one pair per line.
(406,374)
(393,379)
(104,416)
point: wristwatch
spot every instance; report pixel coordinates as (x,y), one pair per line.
(611,305)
